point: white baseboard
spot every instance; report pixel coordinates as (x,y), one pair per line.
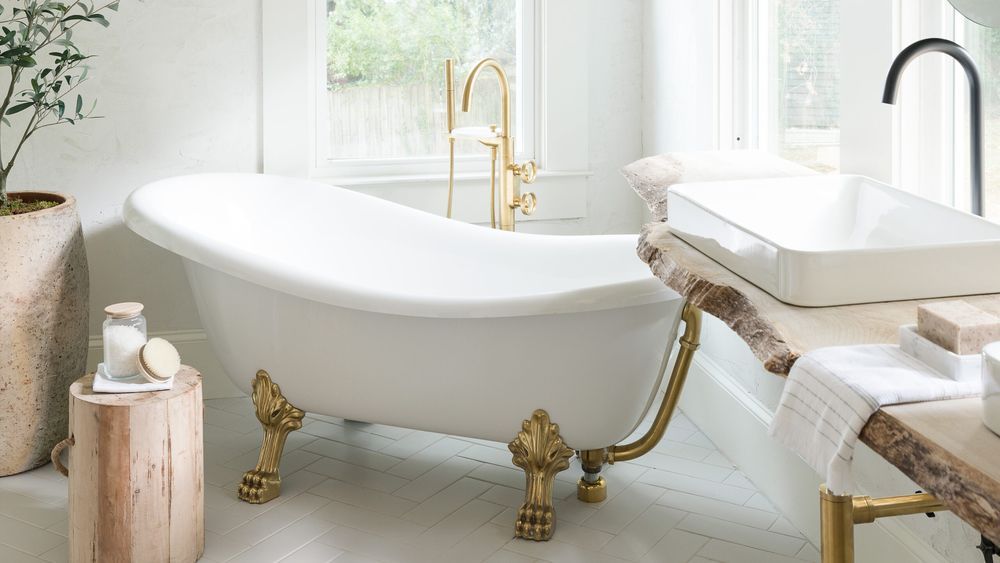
(195,352)
(737,423)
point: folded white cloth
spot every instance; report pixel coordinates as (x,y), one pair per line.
(831,393)
(136,384)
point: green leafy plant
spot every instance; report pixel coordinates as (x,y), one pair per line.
(45,69)
(393,42)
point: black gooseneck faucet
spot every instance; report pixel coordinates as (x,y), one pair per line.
(957,52)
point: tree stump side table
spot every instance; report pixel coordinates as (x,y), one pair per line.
(136,473)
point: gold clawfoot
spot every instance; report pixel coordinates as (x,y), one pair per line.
(279,418)
(541,453)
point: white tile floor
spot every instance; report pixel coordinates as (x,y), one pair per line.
(357,492)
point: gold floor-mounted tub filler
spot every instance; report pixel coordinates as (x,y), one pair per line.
(501,144)
(538,448)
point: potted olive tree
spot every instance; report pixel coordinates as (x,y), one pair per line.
(44,286)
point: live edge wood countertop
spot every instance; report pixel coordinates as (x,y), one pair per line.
(941,445)
(777,333)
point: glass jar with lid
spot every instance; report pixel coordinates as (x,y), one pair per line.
(124,333)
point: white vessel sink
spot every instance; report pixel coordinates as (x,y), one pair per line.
(835,240)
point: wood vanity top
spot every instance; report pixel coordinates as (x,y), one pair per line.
(944,446)
(776,332)
(941,445)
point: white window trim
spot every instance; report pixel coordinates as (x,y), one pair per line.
(912,145)
(737,70)
(525,123)
(924,116)
(560,75)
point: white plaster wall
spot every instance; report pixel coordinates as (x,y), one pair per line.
(179,85)
(678,70)
(615,120)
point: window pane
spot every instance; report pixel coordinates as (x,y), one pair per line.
(808,82)
(984,44)
(385,72)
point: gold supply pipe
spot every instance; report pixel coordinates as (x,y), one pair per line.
(867,509)
(689,344)
(493,187)
(451,173)
(839,514)
(449,80)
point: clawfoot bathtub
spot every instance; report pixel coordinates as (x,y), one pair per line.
(369,310)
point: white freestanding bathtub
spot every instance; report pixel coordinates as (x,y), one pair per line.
(369,310)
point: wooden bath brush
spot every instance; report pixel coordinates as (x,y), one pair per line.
(159,360)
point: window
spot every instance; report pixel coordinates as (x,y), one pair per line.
(303,76)
(385,74)
(804,57)
(812,93)
(780,79)
(984,45)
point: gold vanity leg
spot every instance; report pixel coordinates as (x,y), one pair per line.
(839,513)
(278,417)
(836,527)
(541,453)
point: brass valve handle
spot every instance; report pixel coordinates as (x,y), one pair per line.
(527,202)
(526,172)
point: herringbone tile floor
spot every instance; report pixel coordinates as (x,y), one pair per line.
(355,492)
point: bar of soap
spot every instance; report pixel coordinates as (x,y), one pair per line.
(957,326)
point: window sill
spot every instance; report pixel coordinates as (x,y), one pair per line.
(387,180)
(561,194)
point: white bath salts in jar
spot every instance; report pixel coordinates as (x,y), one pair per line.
(124,333)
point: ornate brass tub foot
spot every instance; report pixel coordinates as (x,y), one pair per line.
(541,453)
(278,417)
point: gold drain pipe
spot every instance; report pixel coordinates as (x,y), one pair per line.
(690,342)
(839,514)
(592,487)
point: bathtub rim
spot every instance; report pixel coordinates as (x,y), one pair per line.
(141,217)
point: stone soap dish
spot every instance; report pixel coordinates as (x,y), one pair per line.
(947,363)
(134,384)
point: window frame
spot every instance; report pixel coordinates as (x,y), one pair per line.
(748,113)
(524,118)
(914,144)
(292,64)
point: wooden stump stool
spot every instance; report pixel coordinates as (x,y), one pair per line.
(136,473)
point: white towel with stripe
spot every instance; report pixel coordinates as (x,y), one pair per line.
(831,393)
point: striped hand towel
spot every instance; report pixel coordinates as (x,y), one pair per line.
(831,393)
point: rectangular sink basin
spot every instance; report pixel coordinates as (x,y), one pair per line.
(820,241)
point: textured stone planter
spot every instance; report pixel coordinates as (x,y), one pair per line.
(44,291)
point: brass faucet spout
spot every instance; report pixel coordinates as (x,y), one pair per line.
(504,92)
